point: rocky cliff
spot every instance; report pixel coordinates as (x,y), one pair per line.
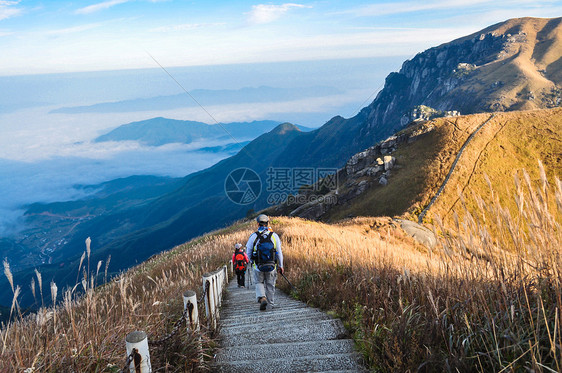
(513,65)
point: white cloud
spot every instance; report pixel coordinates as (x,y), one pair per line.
(185,27)
(100,6)
(8,10)
(389,8)
(266,13)
(72,30)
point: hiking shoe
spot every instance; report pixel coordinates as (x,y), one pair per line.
(263,304)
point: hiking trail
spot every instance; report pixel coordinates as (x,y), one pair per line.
(291,337)
(452,169)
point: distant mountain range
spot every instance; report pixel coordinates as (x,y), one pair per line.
(509,66)
(204,97)
(160,131)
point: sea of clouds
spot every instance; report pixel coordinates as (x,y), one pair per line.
(45,155)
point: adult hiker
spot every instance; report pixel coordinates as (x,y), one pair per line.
(264,249)
(240,260)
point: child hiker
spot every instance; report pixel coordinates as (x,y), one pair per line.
(240,260)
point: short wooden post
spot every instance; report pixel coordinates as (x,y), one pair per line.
(220,283)
(215,291)
(231,266)
(210,304)
(137,344)
(190,304)
(225,274)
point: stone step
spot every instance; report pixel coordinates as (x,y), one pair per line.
(299,332)
(254,310)
(312,363)
(274,324)
(290,337)
(253,305)
(284,350)
(266,316)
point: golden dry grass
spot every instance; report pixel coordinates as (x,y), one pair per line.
(507,144)
(87,333)
(483,300)
(510,143)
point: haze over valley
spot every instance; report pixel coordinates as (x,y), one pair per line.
(48,146)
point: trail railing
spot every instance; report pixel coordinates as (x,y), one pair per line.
(136,342)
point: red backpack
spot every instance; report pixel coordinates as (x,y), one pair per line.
(239,261)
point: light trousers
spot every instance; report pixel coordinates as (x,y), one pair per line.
(265,285)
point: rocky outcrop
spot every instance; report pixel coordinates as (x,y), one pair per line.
(369,168)
(424,113)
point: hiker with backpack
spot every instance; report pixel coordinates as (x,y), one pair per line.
(264,249)
(240,260)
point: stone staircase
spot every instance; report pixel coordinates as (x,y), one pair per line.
(291,337)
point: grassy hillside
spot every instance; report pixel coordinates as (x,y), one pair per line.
(509,143)
(480,301)
(86,331)
(483,300)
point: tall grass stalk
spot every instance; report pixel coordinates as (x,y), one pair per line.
(86,332)
(487,299)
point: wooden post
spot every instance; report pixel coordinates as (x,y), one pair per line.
(215,291)
(210,304)
(190,304)
(220,282)
(137,344)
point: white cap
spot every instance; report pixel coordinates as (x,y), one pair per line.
(238,245)
(262,218)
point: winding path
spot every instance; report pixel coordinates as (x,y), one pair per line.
(291,337)
(442,187)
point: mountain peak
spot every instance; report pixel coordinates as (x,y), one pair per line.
(283,128)
(512,65)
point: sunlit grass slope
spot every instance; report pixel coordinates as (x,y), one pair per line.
(485,299)
(508,143)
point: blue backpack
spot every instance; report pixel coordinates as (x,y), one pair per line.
(264,254)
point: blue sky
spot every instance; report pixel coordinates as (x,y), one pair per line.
(63,36)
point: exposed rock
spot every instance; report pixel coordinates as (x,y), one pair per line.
(361,187)
(383,180)
(418,232)
(424,113)
(447,78)
(371,171)
(388,162)
(360,160)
